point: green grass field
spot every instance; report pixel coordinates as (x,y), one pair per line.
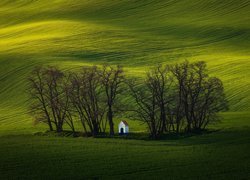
(135,34)
(219,155)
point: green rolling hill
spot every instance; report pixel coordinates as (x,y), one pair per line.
(135,34)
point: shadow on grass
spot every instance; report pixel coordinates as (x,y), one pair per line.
(219,137)
(133,136)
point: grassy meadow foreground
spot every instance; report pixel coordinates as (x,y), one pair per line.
(218,155)
(136,35)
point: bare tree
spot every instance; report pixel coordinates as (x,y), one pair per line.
(48,96)
(111,80)
(37,90)
(159,80)
(145,108)
(70,111)
(201,97)
(211,101)
(180,72)
(87,99)
(58,102)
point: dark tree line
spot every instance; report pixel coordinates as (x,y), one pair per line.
(176,98)
(88,95)
(50,102)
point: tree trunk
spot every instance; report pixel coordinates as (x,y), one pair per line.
(189,127)
(95,129)
(50,125)
(178,127)
(59,128)
(111,123)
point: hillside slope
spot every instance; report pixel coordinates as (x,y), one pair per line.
(129,32)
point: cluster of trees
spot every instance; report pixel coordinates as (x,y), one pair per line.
(176,98)
(89,95)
